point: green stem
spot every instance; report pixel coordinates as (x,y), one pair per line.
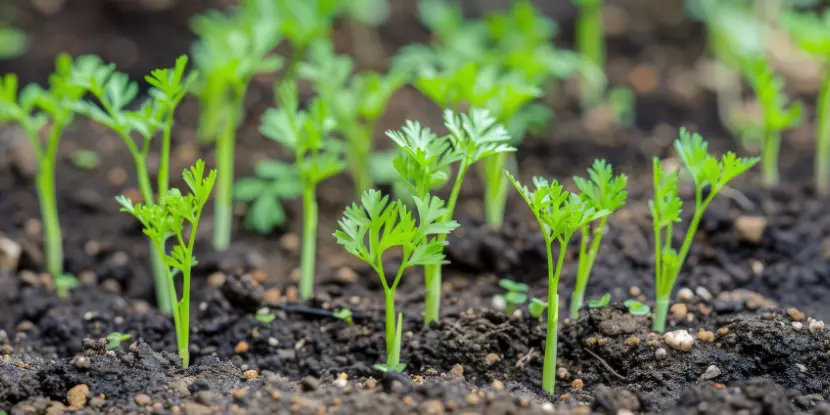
(822,160)
(769,157)
(661,309)
(392,355)
(590,43)
(291,66)
(223,204)
(164,161)
(52,240)
(309,247)
(359,151)
(165,299)
(587,258)
(549,367)
(495,190)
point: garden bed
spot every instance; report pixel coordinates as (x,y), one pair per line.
(754,295)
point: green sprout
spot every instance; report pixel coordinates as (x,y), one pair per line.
(356,103)
(590,42)
(305,22)
(516,294)
(604,192)
(86,159)
(308,134)
(115,339)
(273,182)
(167,219)
(115,93)
(637,308)
(775,117)
(537,307)
(812,34)
(344,314)
(424,161)
(665,207)
(560,214)
(369,230)
(47,111)
(265,317)
(13,42)
(602,302)
(231,50)
(63,283)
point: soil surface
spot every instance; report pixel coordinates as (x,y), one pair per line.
(758,272)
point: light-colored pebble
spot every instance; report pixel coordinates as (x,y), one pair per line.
(679,340)
(816,326)
(685,295)
(711,372)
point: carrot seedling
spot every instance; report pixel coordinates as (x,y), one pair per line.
(424,161)
(168,218)
(637,308)
(344,314)
(63,283)
(273,182)
(304,23)
(560,214)
(590,43)
(602,302)
(231,50)
(706,171)
(604,192)
(812,34)
(537,307)
(515,296)
(115,339)
(33,108)
(377,225)
(309,135)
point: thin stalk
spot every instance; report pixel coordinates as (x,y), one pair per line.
(549,367)
(391,330)
(291,67)
(769,157)
(52,240)
(661,309)
(223,204)
(495,189)
(823,137)
(309,247)
(591,44)
(164,162)
(586,265)
(359,151)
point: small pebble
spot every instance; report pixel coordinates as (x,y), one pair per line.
(578,384)
(685,295)
(711,372)
(634,291)
(705,336)
(703,293)
(83,362)
(241,347)
(660,354)
(679,340)
(432,407)
(143,400)
(498,302)
(491,359)
(801,368)
(679,311)
(797,325)
(562,373)
(795,314)
(239,393)
(457,371)
(250,374)
(497,385)
(472,399)
(816,326)
(76,397)
(346,275)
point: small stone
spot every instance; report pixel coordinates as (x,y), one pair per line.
(705,336)
(816,326)
(497,385)
(711,372)
(562,373)
(632,341)
(547,407)
(797,325)
(192,408)
(634,291)
(751,228)
(432,407)
(801,368)
(723,331)
(660,354)
(77,396)
(491,359)
(577,384)
(457,371)
(685,295)
(83,362)
(276,395)
(272,296)
(9,255)
(205,397)
(703,293)
(241,347)
(472,399)
(250,374)
(679,340)
(310,383)
(143,400)
(499,303)
(679,311)
(290,242)
(216,279)
(239,393)
(346,276)
(795,314)
(117,176)
(259,276)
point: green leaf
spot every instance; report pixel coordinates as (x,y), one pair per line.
(603,191)
(115,339)
(510,285)
(810,31)
(265,214)
(344,314)
(515,298)
(602,302)
(265,318)
(537,307)
(637,308)
(477,135)
(86,159)
(13,43)
(248,189)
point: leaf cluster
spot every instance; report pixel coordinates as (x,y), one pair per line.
(602,190)
(602,302)
(706,169)
(115,339)
(516,293)
(769,90)
(273,182)
(811,31)
(537,307)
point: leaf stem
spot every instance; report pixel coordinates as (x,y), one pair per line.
(223,204)
(822,160)
(309,245)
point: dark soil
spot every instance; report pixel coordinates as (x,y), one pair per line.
(749,355)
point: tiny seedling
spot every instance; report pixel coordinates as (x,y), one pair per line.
(86,159)
(48,111)
(377,225)
(265,317)
(308,134)
(602,302)
(168,219)
(231,50)
(812,34)
(424,161)
(706,171)
(590,43)
(776,115)
(560,214)
(63,283)
(115,339)
(344,314)
(604,192)
(537,307)
(516,294)
(273,182)
(305,23)
(637,308)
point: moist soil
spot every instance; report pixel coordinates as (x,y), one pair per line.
(758,270)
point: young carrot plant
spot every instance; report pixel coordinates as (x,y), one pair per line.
(776,115)
(812,34)
(63,283)
(602,302)
(33,108)
(168,218)
(309,135)
(515,296)
(424,161)
(590,42)
(273,182)
(305,22)
(231,50)
(368,230)
(604,192)
(115,92)
(560,214)
(537,307)
(115,339)
(665,208)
